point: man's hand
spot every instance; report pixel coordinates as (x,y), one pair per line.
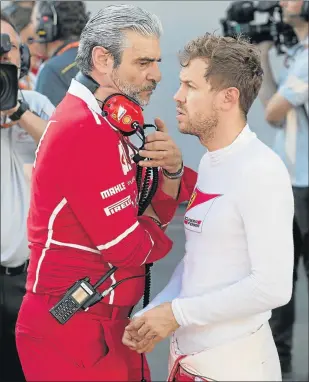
(152,327)
(161,149)
(10,111)
(134,342)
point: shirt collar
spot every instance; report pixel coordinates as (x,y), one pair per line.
(79,90)
(242,139)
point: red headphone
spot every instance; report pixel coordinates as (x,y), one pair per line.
(121,111)
(124,113)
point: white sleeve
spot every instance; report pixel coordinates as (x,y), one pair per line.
(171,291)
(265,203)
(39,104)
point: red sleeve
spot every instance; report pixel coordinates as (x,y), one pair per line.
(109,218)
(164,205)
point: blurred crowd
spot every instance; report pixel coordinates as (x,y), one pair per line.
(52,33)
(52,30)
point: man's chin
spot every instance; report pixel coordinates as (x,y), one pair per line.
(143,101)
(183,128)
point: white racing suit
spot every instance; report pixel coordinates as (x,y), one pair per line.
(238,265)
(251,358)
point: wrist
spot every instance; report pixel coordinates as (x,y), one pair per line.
(18,112)
(158,223)
(176,312)
(174,173)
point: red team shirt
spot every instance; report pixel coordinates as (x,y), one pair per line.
(83,213)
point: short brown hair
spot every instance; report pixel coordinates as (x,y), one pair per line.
(232,62)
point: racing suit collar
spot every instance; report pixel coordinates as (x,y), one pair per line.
(218,156)
(79,90)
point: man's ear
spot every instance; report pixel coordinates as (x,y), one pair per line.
(102,60)
(230,98)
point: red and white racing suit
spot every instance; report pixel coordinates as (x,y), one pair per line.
(82,221)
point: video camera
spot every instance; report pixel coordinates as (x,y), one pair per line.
(240,15)
(8,77)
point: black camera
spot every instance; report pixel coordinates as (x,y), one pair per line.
(241,14)
(8,77)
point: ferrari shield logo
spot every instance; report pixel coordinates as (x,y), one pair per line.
(193,196)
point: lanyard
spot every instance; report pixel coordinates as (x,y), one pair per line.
(74,44)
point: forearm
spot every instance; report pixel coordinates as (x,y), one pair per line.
(164,204)
(33,124)
(269,87)
(170,186)
(170,292)
(247,297)
(151,213)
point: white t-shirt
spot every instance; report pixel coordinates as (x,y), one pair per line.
(17,148)
(238,262)
(23,143)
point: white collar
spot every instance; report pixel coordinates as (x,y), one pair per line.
(79,90)
(243,138)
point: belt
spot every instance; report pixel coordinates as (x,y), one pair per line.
(9,271)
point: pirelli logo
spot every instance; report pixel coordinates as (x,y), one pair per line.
(119,206)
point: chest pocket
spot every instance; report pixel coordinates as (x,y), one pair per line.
(198,208)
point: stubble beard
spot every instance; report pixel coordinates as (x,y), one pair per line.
(201,127)
(131,90)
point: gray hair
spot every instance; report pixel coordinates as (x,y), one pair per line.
(106,29)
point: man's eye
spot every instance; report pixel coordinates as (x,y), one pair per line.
(144,63)
(186,84)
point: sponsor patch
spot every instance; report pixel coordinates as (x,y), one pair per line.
(124,160)
(193,196)
(113,190)
(131,181)
(197,210)
(118,206)
(126,120)
(192,222)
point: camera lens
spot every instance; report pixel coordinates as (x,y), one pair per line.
(4,87)
(8,86)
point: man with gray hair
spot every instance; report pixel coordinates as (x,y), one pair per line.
(84,217)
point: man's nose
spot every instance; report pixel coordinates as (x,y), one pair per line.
(155,74)
(179,96)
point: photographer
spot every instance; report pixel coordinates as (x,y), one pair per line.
(286,109)
(21,129)
(58,25)
(19,13)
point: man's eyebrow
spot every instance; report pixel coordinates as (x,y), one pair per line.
(187,82)
(149,59)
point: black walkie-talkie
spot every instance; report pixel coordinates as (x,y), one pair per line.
(81,295)
(73,300)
